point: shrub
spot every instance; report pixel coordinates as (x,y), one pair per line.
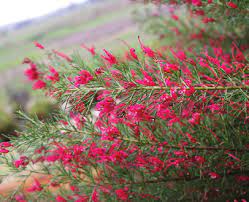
(153,126)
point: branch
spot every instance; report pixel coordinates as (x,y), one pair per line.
(163,88)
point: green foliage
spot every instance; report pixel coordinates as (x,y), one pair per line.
(166,124)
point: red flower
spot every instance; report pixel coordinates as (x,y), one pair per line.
(63,55)
(39,85)
(226,69)
(147,50)
(20,198)
(106,105)
(242,178)
(38,45)
(109,58)
(99,71)
(165,113)
(60,199)
(239,56)
(195,120)
(122,194)
(138,112)
(54,77)
(208,20)
(232,5)
(65,123)
(133,53)
(214,175)
(169,68)
(199,12)
(196,2)
(174,17)
(234,157)
(191,138)
(214,107)
(32,72)
(190,91)
(199,159)
(5,144)
(95,197)
(84,78)
(91,50)
(179,54)
(23,161)
(52,158)
(147,80)
(4,151)
(35,187)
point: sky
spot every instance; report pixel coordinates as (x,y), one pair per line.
(17,10)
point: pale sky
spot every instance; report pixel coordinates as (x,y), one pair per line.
(18,10)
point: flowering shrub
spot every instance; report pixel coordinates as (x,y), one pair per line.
(155,125)
(188,23)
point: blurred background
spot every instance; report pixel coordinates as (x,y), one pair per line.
(57,24)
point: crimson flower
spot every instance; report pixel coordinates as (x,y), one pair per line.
(122,194)
(83,78)
(5,144)
(36,187)
(147,80)
(232,5)
(138,112)
(39,85)
(208,20)
(32,72)
(54,77)
(147,50)
(174,17)
(242,178)
(169,68)
(165,113)
(179,54)
(109,58)
(196,2)
(133,53)
(106,105)
(38,45)
(214,175)
(195,120)
(60,199)
(95,197)
(4,151)
(63,55)
(199,159)
(23,161)
(20,198)
(91,50)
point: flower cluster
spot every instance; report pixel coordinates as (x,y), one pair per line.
(158,124)
(165,121)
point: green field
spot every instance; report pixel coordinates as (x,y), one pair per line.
(68,31)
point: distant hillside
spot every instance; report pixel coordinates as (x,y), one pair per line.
(25,23)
